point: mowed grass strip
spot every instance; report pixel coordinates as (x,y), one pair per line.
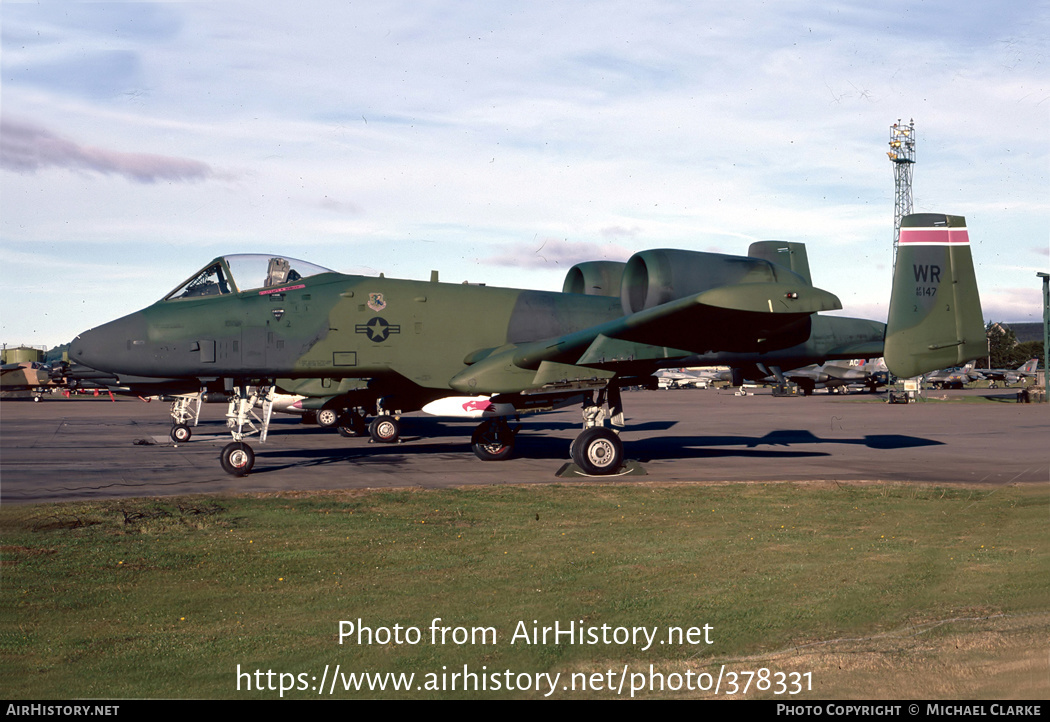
(165,598)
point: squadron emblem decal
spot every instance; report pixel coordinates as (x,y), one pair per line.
(378,329)
(376,302)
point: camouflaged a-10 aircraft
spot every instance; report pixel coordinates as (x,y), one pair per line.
(28,377)
(357,346)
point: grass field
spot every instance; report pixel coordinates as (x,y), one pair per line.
(876,591)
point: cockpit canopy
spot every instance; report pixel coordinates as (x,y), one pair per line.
(244,272)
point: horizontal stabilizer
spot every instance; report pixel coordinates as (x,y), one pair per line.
(770,298)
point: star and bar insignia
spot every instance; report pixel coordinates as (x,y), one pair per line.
(378,329)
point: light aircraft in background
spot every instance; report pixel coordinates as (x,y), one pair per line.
(380,347)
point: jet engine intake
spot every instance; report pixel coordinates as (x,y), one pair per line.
(595,278)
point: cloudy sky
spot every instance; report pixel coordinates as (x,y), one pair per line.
(503,142)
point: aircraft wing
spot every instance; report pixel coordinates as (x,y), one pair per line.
(748,317)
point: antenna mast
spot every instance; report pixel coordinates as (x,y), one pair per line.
(902,155)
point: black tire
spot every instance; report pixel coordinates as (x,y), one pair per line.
(597,451)
(180,433)
(327,418)
(237,458)
(385,429)
(492,442)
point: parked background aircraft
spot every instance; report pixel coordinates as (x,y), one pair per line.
(29,378)
(952,378)
(683,378)
(365,346)
(840,376)
(1010,376)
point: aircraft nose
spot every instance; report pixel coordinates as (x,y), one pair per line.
(118,346)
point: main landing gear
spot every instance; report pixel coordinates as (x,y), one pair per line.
(385,429)
(598,450)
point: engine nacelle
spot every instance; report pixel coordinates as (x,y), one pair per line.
(595,278)
(655,277)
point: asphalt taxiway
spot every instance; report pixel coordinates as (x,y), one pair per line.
(67,449)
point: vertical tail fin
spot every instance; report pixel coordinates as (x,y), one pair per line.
(935,316)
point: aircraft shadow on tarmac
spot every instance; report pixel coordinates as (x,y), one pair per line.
(679,447)
(544,447)
(374,455)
